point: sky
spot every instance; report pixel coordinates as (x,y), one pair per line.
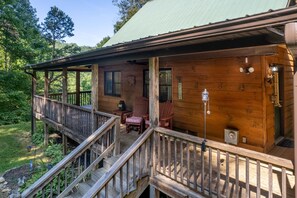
(93,19)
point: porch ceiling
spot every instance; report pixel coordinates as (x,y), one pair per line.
(259,30)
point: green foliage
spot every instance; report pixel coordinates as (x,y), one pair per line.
(102,42)
(127,8)
(20,39)
(57,25)
(38,136)
(14,97)
(14,140)
(54,151)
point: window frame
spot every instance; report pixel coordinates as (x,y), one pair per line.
(160,85)
(113,83)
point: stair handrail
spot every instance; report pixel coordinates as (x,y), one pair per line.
(107,177)
(86,144)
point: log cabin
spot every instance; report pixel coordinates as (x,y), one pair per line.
(242,53)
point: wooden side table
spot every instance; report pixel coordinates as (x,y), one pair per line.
(121,114)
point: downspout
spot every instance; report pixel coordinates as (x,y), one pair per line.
(32,100)
(291,42)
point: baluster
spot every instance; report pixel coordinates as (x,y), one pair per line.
(210,170)
(270,180)
(219,172)
(169,156)
(59,183)
(134,169)
(247,174)
(195,166)
(121,182)
(284,185)
(175,159)
(236,176)
(258,179)
(181,162)
(227,174)
(139,162)
(202,171)
(106,190)
(128,186)
(51,188)
(85,160)
(159,152)
(145,156)
(164,160)
(43,193)
(188,164)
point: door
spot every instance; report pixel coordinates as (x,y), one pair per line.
(278,110)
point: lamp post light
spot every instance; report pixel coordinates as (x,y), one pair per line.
(205,100)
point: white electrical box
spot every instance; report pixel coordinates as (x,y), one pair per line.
(231,136)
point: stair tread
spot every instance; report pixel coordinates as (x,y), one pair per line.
(83,188)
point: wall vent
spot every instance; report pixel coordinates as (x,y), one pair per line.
(231,136)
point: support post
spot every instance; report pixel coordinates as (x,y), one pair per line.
(154,193)
(77,88)
(46,134)
(117,129)
(33,119)
(154,91)
(94,96)
(64,139)
(46,84)
(64,94)
(45,95)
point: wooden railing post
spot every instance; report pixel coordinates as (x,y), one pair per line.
(46,85)
(94,96)
(33,119)
(154,91)
(64,101)
(117,129)
(77,82)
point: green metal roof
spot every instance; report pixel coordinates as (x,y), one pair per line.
(164,16)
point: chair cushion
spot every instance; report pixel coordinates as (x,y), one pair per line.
(134,120)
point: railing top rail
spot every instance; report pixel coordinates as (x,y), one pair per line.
(105,114)
(120,163)
(60,93)
(280,162)
(78,107)
(76,152)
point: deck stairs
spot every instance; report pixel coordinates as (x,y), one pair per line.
(113,190)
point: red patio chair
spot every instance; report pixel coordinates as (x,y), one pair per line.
(165,115)
(136,118)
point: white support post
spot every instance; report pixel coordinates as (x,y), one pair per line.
(154,91)
(94,96)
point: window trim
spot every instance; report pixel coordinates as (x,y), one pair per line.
(112,83)
(160,69)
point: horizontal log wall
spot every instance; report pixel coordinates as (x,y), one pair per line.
(235,98)
(128,91)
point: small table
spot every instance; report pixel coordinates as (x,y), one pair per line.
(122,114)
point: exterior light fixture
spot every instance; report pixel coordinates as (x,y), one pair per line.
(247,69)
(205,100)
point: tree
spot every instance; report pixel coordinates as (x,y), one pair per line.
(102,42)
(20,39)
(127,8)
(57,25)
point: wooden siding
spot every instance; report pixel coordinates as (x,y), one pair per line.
(237,100)
(128,91)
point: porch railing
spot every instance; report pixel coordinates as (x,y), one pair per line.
(67,173)
(84,98)
(133,165)
(219,171)
(76,118)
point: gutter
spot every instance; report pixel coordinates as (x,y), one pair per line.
(239,25)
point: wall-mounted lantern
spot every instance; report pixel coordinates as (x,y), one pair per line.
(247,68)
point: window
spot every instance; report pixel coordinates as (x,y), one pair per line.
(112,83)
(165,85)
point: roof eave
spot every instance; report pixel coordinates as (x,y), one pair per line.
(255,22)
